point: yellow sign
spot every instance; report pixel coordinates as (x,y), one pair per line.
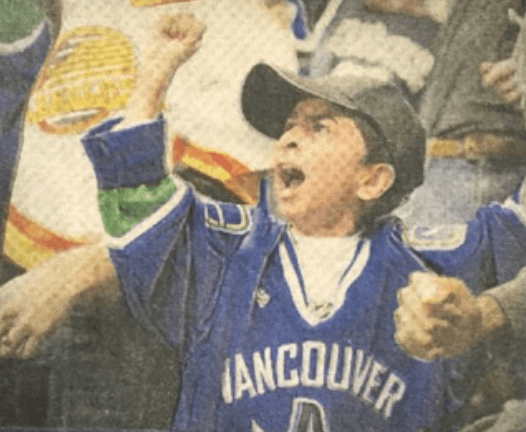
(90,74)
(146,3)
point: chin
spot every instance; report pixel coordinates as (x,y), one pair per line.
(292,214)
(286,212)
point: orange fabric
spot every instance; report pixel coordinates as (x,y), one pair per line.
(234,175)
(46,238)
(28,243)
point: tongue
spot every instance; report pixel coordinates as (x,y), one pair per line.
(296,181)
(293,177)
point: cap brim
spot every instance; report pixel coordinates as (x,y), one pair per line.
(270,94)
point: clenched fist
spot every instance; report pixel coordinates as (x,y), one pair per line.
(172,41)
(438,316)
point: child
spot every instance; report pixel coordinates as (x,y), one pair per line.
(269,345)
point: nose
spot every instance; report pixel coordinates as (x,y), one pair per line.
(288,141)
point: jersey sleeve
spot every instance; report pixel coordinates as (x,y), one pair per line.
(18,19)
(20,63)
(168,245)
(487,251)
(130,173)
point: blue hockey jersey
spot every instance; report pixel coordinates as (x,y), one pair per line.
(222,282)
(19,65)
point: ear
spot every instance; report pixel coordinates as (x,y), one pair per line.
(375,181)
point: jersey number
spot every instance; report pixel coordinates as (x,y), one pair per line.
(307,416)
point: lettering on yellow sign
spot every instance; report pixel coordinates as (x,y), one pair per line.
(146,3)
(91,74)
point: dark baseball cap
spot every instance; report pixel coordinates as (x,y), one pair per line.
(270,94)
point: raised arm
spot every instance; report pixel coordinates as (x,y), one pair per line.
(34,304)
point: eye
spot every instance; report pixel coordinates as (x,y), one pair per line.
(319,126)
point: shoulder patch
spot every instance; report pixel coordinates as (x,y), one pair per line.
(229,218)
(440,237)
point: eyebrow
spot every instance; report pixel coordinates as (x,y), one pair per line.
(325,116)
(316,117)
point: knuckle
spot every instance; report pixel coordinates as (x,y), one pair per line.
(428,326)
(400,335)
(402,292)
(424,341)
(428,355)
(401,318)
(401,339)
(415,277)
(433,327)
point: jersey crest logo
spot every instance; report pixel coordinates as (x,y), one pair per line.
(229,218)
(262,298)
(441,237)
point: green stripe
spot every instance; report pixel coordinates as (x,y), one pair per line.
(18,18)
(123,208)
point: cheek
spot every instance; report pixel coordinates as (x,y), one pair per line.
(332,188)
(344,183)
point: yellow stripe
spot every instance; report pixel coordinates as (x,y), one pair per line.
(23,250)
(146,3)
(214,172)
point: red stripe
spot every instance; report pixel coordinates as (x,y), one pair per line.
(38,234)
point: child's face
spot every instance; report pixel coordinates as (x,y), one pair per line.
(318,170)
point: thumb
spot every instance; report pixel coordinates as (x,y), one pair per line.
(435,290)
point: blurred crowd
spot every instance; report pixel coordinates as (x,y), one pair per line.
(457,61)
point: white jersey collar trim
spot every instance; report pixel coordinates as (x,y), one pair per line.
(312,314)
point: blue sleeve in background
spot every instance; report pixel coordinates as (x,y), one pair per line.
(19,66)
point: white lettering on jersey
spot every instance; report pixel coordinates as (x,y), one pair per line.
(263,371)
(227,383)
(312,364)
(333,366)
(307,415)
(310,348)
(373,382)
(360,371)
(392,392)
(293,379)
(243,380)
(255,427)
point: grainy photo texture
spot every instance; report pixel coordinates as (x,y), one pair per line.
(263,215)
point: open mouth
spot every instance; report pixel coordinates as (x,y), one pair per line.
(291,176)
